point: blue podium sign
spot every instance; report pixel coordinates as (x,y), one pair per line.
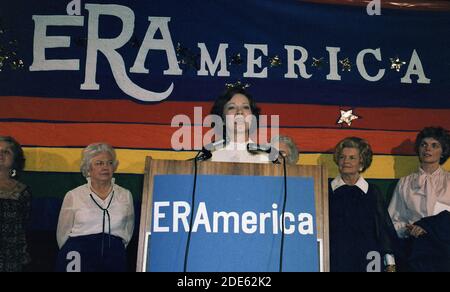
(236,224)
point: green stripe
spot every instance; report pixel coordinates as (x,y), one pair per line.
(57,184)
(387,187)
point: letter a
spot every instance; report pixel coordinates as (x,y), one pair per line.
(74,8)
(374,8)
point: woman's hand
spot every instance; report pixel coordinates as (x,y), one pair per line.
(415,231)
(391,269)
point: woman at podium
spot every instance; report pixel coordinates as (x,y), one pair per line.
(96,220)
(240,118)
(360,226)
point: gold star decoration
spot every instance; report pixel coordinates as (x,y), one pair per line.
(236,60)
(187,58)
(2,61)
(347,117)
(238,84)
(317,63)
(8,51)
(275,61)
(16,64)
(396,64)
(346,65)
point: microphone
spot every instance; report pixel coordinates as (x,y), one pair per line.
(203,155)
(216,145)
(206,152)
(254,148)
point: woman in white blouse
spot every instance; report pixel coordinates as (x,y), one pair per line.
(240,116)
(96,220)
(426,192)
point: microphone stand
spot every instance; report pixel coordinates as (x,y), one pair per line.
(282,212)
(188,242)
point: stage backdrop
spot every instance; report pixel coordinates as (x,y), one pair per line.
(78,72)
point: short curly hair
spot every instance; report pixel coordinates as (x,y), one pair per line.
(438,133)
(365,151)
(294,155)
(93,150)
(19,156)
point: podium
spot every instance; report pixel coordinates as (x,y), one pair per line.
(236,224)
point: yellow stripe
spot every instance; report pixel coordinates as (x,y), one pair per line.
(68,159)
(132,161)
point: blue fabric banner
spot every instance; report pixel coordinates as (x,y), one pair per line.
(236,224)
(289,51)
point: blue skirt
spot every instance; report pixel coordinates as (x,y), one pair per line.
(92,253)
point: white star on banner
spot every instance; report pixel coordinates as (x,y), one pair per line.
(347,117)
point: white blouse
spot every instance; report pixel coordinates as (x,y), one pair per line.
(419,195)
(80,215)
(237,152)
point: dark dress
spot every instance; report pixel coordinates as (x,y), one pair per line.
(15,206)
(359,224)
(431,252)
(93,253)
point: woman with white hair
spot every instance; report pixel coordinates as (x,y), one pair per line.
(287,150)
(96,220)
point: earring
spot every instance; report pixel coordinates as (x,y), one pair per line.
(12,172)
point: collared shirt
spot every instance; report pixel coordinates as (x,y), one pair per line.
(339,182)
(363,185)
(419,195)
(80,216)
(237,152)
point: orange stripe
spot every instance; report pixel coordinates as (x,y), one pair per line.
(291,115)
(324,140)
(159,137)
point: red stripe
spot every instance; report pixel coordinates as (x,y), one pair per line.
(82,110)
(291,115)
(159,137)
(402,119)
